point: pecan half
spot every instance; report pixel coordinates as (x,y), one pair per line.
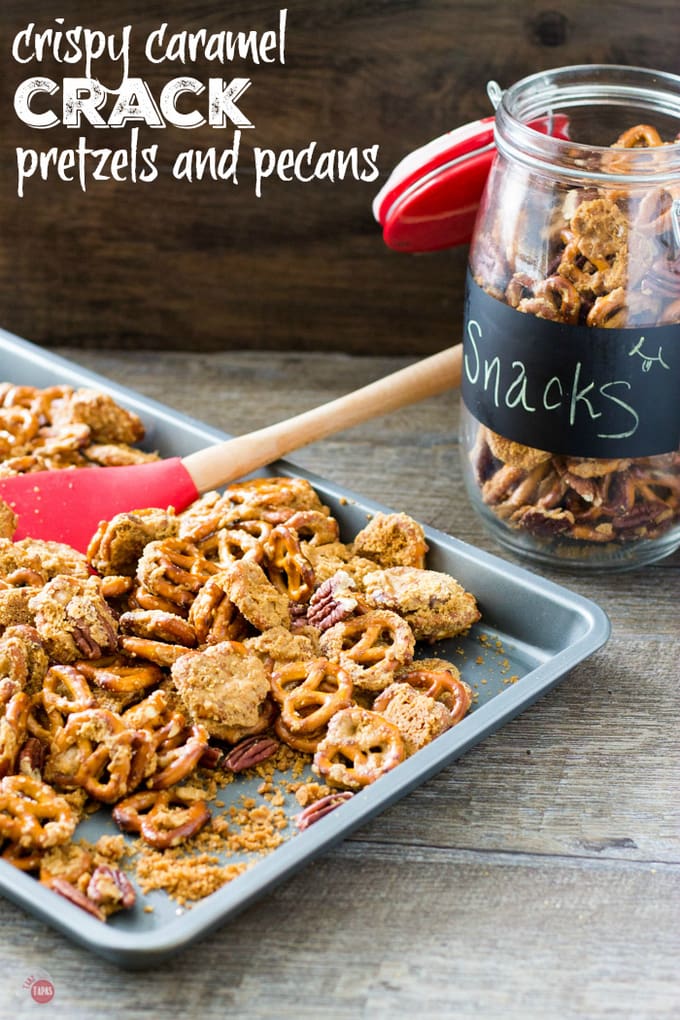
(72,893)
(333,601)
(319,808)
(211,758)
(250,752)
(111,887)
(31,760)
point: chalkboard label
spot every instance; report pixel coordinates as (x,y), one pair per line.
(577,390)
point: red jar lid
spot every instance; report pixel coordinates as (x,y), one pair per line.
(431,198)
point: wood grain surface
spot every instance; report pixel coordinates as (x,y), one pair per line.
(209,266)
(537,878)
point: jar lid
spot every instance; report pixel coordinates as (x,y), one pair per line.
(431,198)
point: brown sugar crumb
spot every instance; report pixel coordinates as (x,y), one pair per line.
(255,828)
(110,849)
(184,878)
(309,793)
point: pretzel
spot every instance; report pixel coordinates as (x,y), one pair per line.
(641,136)
(97,752)
(164,818)
(32,815)
(156,625)
(307,743)
(18,426)
(609,310)
(159,652)
(13,729)
(25,577)
(321,688)
(155,715)
(177,747)
(177,756)
(277,497)
(66,690)
(360,746)
(370,647)
(114,586)
(141,598)
(440,684)
(314,527)
(23,858)
(41,724)
(286,566)
(214,616)
(555,298)
(240,543)
(118,676)
(174,570)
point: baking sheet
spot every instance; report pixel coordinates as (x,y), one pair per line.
(531,634)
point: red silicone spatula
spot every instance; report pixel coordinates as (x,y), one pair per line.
(67,506)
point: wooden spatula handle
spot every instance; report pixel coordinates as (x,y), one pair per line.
(234,458)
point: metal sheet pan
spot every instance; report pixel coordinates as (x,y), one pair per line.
(534,630)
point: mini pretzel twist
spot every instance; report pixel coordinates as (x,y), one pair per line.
(360,746)
(23,858)
(321,688)
(273,499)
(18,426)
(314,527)
(286,565)
(443,685)
(13,729)
(164,818)
(174,570)
(214,616)
(640,136)
(307,743)
(116,675)
(178,756)
(33,815)
(609,310)
(159,626)
(66,690)
(370,647)
(97,752)
(555,298)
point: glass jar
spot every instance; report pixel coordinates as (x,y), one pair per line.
(571,367)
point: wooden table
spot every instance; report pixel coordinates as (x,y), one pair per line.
(537,878)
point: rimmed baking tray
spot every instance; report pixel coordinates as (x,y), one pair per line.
(531,634)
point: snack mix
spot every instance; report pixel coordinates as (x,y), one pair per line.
(186,649)
(610,261)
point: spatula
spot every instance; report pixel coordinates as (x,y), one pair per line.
(67,506)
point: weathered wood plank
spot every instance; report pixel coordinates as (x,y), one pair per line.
(369,932)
